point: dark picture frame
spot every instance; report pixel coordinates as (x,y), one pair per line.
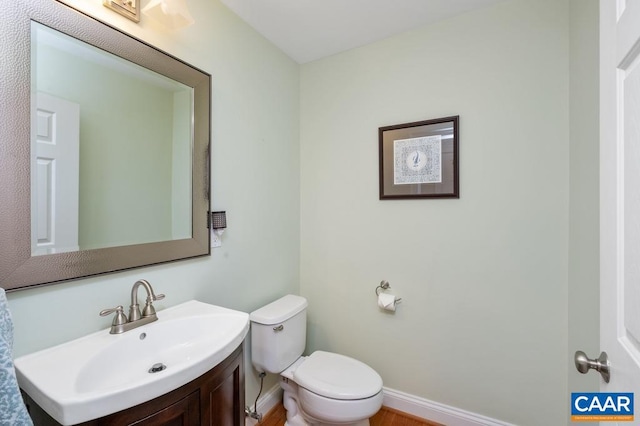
(420,159)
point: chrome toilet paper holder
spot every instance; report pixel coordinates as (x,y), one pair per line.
(384,285)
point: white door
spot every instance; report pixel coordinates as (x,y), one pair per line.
(620,194)
(54,175)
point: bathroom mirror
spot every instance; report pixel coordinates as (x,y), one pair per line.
(104,150)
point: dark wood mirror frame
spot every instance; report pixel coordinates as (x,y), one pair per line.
(18,268)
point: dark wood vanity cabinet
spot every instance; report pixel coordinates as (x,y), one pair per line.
(185,412)
(216,398)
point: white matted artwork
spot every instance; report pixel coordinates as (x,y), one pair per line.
(417,160)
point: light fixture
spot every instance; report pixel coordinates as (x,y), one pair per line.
(172,14)
(127,8)
(218,225)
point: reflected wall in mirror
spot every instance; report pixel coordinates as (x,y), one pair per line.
(104,149)
(100,168)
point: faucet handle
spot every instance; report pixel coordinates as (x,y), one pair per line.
(152,297)
(149,310)
(120,317)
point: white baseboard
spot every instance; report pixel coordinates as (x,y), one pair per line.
(400,401)
(266,402)
(435,411)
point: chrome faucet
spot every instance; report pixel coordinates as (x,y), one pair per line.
(120,322)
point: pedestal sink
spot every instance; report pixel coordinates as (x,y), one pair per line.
(103,373)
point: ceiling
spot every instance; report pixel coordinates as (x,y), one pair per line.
(307,30)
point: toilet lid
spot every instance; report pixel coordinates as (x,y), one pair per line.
(337,376)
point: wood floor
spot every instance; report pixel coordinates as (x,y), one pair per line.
(385,417)
(276,417)
(389,416)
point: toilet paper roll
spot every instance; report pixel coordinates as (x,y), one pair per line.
(387,301)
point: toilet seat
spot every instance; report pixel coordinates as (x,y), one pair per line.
(324,409)
(337,376)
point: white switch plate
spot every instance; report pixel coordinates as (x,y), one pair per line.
(215,240)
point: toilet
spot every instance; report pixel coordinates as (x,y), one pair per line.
(321,389)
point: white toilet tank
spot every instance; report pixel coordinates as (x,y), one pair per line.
(278,333)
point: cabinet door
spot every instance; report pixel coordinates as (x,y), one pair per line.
(222,397)
(185,412)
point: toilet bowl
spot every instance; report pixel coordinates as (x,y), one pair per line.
(321,389)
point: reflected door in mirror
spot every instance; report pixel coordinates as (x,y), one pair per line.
(55,181)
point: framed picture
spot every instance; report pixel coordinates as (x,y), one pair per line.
(420,159)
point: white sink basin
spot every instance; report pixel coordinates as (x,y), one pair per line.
(103,373)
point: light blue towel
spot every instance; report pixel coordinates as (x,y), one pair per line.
(12,409)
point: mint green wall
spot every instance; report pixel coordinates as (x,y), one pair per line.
(181,166)
(584,205)
(255,178)
(484,279)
